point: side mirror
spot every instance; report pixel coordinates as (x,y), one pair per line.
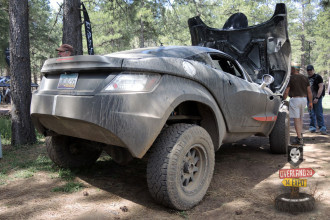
(266,80)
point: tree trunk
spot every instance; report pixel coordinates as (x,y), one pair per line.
(141,33)
(303,42)
(141,28)
(20,84)
(35,76)
(72,25)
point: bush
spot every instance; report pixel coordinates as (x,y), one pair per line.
(5,129)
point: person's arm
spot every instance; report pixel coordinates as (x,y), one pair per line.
(310,98)
(319,93)
(286,93)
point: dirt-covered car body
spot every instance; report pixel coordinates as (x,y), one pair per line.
(180,103)
(189,79)
(210,86)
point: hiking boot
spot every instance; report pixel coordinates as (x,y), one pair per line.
(312,130)
(323,130)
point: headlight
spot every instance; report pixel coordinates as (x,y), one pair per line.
(131,82)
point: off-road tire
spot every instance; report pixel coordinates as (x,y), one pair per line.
(70,152)
(304,203)
(279,138)
(181,151)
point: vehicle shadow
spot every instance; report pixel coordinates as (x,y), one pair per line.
(244,171)
(247,162)
(128,182)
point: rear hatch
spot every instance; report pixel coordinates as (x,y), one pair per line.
(261,49)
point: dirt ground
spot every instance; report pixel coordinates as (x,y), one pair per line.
(244,186)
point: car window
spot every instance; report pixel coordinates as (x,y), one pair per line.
(226,65)
(235,70)
(216,64)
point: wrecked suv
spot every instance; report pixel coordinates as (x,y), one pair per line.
(178,103)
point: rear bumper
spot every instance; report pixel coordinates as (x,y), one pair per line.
(116,120)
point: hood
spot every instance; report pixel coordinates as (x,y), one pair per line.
(260,49)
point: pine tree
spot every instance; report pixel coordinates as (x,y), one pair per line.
(4,36)
(20,85)
(72,25)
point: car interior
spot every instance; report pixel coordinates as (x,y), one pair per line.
(226,66)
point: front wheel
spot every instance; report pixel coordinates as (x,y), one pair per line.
(279,138)
(180,167)
(70,152)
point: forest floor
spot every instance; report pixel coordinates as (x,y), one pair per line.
(244,186)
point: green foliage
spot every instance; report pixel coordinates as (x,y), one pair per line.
(183,214)
(24,174)
(17,163)
(326,104)
(69,187)
(322,41)
(110,25)
(21,162)
(121,25)
(5,130)
(4,36)
(43,37)
(66,174)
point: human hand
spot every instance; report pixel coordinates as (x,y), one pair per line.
(315,101)
(310,106)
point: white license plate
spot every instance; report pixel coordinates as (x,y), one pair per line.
(67,81)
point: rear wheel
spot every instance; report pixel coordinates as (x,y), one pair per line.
(279,138)
(70,152)
(120,155)
(180,166)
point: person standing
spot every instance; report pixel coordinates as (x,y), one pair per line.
(298,89)
(318,91)
(7,97)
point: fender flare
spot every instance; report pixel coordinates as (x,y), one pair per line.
(202,96)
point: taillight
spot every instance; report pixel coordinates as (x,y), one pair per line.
(133,82)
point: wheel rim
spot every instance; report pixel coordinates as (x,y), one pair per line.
(193,168)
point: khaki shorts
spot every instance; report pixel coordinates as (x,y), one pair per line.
(297,106)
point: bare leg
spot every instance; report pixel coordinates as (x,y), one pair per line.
(298,126)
